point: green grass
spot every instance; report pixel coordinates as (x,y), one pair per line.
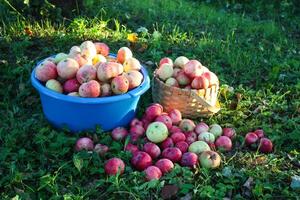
(254,51)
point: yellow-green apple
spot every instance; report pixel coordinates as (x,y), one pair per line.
(157,132)
(210,159)
(198,147)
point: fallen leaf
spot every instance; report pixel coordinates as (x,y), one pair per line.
(28,31)
(132,37)
(169,191)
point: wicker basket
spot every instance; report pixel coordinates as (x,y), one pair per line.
(191,103)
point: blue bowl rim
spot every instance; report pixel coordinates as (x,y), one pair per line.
(138,91)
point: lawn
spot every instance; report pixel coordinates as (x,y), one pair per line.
(251,46)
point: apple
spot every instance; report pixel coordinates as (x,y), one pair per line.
(175,72)
(259,133)
(189,159)
(182,79)
(174,129)
(177,137)
(135,122)
(153,111)
(153,173)
(210,159)
(168,142)
(265,145)
(101,149)
(166,60)
(84,143)
(165,71)
(119,133)
(182,146)
(206,137)
(191,137)
(251,139)
(212,78)
(145,122)
(229,132)
(193,69)
(157,132)
(187,125)
(141,160)
(200,82)
(175,116)
(165,165)
(181,61)
(113,166)
(215,129)
(223,143)
(198,147)
(131,148)
(152,149)
(164,118)
(172,153)
(137,129)
(172,82)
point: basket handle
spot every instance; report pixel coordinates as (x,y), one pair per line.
(213,109)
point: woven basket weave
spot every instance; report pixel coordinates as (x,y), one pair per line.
(191,103)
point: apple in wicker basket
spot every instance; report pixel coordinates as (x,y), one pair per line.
(185,73)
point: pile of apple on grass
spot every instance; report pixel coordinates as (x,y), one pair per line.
(166,138)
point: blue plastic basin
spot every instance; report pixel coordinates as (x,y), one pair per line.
(79,114)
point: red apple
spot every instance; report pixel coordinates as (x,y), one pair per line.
(119,133)
(174,129)
(101,149)
(145,122)
(153,111)
(172,153)
(223,143)
(164,118)
(175,116)
(200,82)
(213,79)
(84,143)
(137,129)
(113,166)
(153,172)
(229,132)
(259,133)
(141,160)
(191,137)
(165,60)
(167,143)
(182,145)
(131,148)
(135,122)
(251,139)
(201,127)
(193,68)
(189,159)
(165,165)
(152,149)
(177,137)
(265,145)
